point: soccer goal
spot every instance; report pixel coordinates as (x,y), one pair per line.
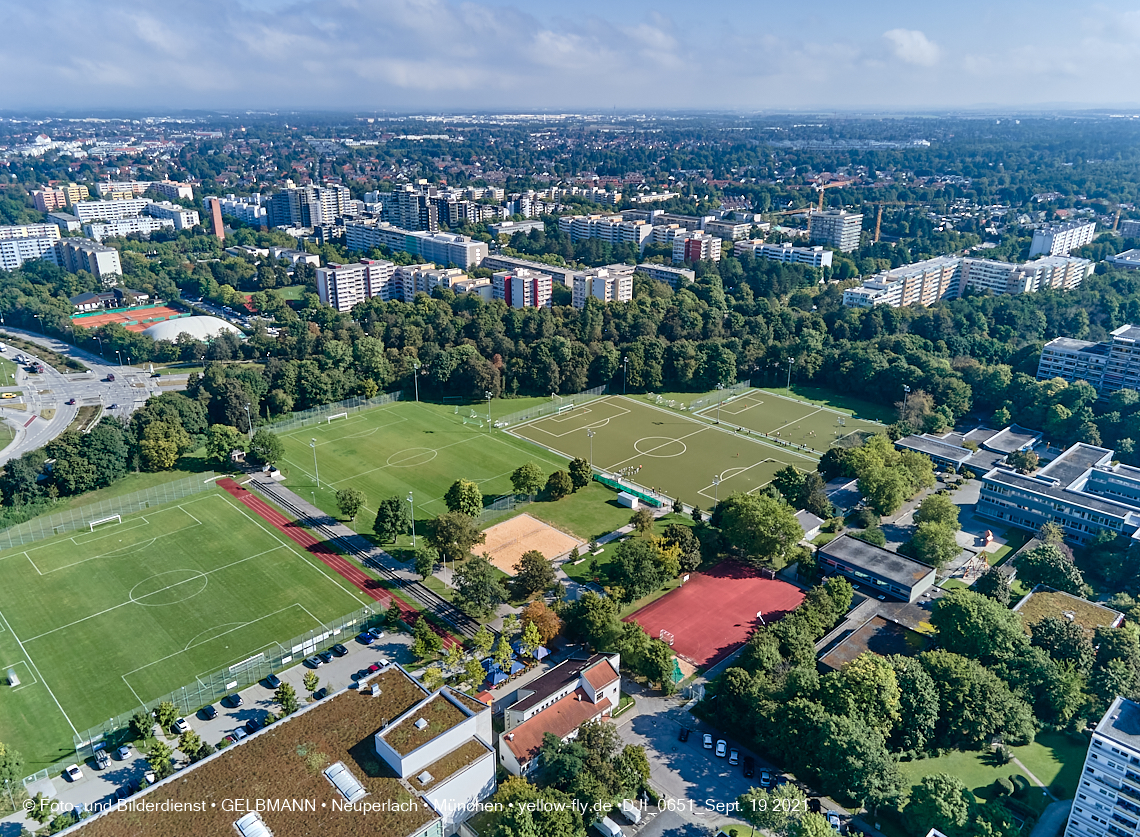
(329,420)
(565,408)
(666,637)
(114,518)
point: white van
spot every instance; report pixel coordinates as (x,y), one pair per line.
(631,811)
(608,827)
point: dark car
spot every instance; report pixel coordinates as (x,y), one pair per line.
(113,407)
(326,656)
(315,661)
(749,767)
(209,712)
(321,693)
(70,401)
(252,725)
(339,650)
(272,681)
(683,735)
(234,700)
(814,806)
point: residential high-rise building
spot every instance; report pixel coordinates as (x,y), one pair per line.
(184,219)
(835,228)
(1060,239)
(674,277)
(609,228)
(139,225)
(87,211)
(693,247)
(1107,802)
(27,242)
(1129,229)
(523,288)
(307,206)
(29,231)
(441,248)
(59,196)
(77,254)
(345,285)
(728,230)
(602,284)
(1108,366)
(217,226)
(813,256)
(248,209)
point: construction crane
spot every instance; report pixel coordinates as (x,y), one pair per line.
(879,216)
(821,188)
(1116,220)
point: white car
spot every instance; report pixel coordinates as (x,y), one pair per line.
(73,773)
(721,748)
(708,741)
(181,727)
(123,752)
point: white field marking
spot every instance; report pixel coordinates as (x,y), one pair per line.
(801,418)
(132,601)
(87,538)
(194,638)
(601,422)
(652,451)
(198,574)
(335,435)
(746,403)
(708,492)
(121,551)
(39,674)
(239,626)
(32,677)
(701,428)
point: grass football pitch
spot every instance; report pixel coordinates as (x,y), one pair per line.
(94,624)
(675,453)
(401,447)
(789,419)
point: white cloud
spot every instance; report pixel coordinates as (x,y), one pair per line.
(913,47)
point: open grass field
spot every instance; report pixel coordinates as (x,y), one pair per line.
(97,623)
(842,401)
(677,455)
(788,419)
(402,447)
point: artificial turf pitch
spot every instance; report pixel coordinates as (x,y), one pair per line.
(97,623)
(789,420)
(671,452)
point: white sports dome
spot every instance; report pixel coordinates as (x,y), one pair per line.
(200,328)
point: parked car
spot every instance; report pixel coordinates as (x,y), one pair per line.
(273,681)
(365,638)
(734,756)
(209,712)
(321,693)
(180,726)
(73,773)
(102,760)
(376,633)
(314,662)
(123,752)
(721,748)
(708,741)
(326,656)
(338,650)
(234,700)
(833,820)
(237,735)
(683,735)
(765,778)
(252,725)
(749,767)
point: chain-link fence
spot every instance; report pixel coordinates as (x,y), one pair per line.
(211,688)
(47,526)
(719,396)
(559,403)
(501,505)
(315,415)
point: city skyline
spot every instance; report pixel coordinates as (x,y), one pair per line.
(425,55)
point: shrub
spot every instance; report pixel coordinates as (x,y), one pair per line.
(1021,785)
(1003,787)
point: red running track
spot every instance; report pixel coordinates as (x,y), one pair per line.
(327,555)
(713,613)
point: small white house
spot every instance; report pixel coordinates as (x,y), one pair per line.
(630,501)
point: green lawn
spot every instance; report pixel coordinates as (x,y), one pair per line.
(978,772)
(7,372)
(581,571)
(1055,758)
(857,407)
(97,623)
(189,465)
(589,512)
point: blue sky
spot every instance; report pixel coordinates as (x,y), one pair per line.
(424,55)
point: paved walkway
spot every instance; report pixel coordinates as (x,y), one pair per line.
(1052,819)
(1033,778)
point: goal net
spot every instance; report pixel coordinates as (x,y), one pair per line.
(329,420)
(666,637)
(565,408)
(114,518)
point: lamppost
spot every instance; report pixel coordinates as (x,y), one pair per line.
(412,503)
(487,395)
(100,342)
(906,395)
(41,319)
(716,491)
(625,374)
(790,362)
(590,436)
(248,422)
(316,471)
(120,356)
(416,378)
(719,387)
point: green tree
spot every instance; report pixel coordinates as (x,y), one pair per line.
(266,448)
(791,484)
(918,707)
(885,489)
(1064,641)
(166,714)
(594,619)
(811,825)
(473,673)
(657,666)
(934,544)
(464,497)
(558,485)
(642,520)
(190,743)
(161,444)
(221,441)
(687,544)
(580,473)
(977,627)
(994,584)
(530,639)
(940,801)
(854,763)
(478,590)
(159,757)
(527,479)
(866,688)
(1047,564)
(453,535)
(533,573)
(763,528)
(394,615)
(637,568)
(432,677)
(286,698)
(1025,461)
(311,681)
(774,811)
(482,641)
(425,641)
(938,508)
(974,704)
(349,501)
(392,519)
(424,561)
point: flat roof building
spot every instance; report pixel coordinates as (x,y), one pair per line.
(441,248)
(1129,259)
(523,288)
(881,570)
(835,228)
(142,226)
(812,256)
(693,247)
(77,254)
(674,277)
(1060,239)
(1107,802)
(602,284)
(1108,366)
(878,635)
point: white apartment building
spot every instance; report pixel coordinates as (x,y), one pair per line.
(1062,273)
(674,277)
(812,256)
(29,231)
(425,278)
(143,226)
(247,209)
(1110,365)
(728,230)
(835,228)
(693,247)
(88,211)
(610,228)
(57,197)
(440,248)
(1107,802)
(77,254)
(1059,239)
(602,284)
(345,285)
(523,288)
(184,219)
(15,251)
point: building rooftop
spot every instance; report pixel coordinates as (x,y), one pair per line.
(554,680)
(1012,438)
(933,446)
(1127,332)
(879,635)
(882,562)
(1122,722)
(1073,463)
(601,675)
(560,719)
(1071,345)
(1046,487)
(1045,601)
(808,521)
(417,728)
(286,761)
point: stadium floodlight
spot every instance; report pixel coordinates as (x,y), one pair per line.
(590,435)
(412,503)
(316,471)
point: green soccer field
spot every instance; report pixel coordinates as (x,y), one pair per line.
(96,623)
(668,451)
(789,420)
(402,447)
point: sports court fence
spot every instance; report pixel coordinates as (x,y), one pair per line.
(47,526)
(315,415)
(503,504)
(213,687)
(555,405)
(720,396)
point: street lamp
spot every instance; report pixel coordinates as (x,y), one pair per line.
(41,319)
(719,387)
(906,394)
(625,374)
(120,356)
(590,435)
(412,503)
(416,378)
(248,422)
(790,362)
(100,341)
(487,395)
(316,471)
(716,491)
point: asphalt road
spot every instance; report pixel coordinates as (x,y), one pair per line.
(51,390)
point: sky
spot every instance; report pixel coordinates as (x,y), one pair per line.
(573,55)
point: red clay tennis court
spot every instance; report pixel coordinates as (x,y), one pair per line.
(713,613)
(132,319)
